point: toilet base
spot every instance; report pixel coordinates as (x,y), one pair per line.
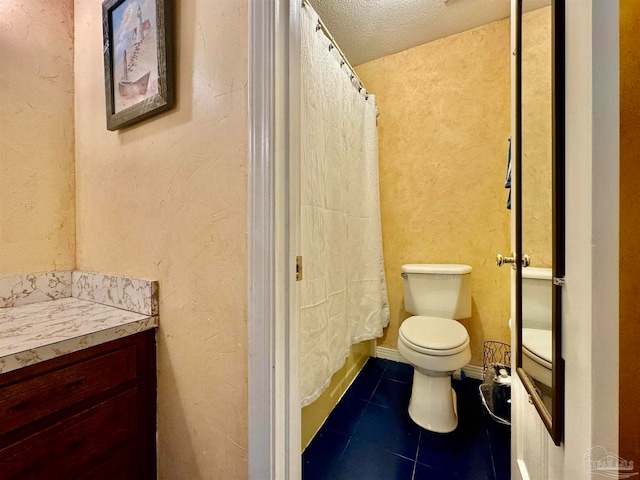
(433,404)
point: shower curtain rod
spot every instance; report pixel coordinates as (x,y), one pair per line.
(325,30)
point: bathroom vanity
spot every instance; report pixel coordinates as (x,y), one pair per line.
(77,377)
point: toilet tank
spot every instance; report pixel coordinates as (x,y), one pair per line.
(536,298)
(437,290)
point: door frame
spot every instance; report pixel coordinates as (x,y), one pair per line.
(274,413)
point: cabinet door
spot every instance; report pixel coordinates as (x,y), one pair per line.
(123,465)
(76,444)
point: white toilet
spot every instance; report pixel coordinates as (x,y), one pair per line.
(536,323)
(433,342)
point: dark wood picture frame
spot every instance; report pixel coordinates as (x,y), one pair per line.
(138,66)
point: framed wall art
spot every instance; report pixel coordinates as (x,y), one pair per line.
(138,65)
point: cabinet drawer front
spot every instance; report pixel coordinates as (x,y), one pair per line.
(126,464)
(37,397)
(74,445)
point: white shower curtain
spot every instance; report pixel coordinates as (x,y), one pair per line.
(343,296)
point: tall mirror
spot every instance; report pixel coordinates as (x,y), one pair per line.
(540,206)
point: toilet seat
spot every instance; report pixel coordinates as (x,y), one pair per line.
(434,335)
(537,343)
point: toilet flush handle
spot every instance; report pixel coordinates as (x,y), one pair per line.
(501,260)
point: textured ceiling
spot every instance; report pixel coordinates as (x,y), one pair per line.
(369,29)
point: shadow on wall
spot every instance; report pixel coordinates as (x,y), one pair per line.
(170,404)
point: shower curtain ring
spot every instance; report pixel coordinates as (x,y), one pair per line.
(330,46)
(318,26)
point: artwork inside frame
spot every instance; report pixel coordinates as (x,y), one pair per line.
(137,60)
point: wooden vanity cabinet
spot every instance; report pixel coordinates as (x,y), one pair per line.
(85,415)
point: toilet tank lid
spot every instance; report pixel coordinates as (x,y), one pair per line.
(536,273)
(437,268)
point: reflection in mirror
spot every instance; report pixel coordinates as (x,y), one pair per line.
(537,359)
(539,163)
(537,228)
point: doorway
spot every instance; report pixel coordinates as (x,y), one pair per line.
(285,106)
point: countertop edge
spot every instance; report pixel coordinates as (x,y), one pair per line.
(42,353)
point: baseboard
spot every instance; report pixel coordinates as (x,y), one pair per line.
(389,354)
(471,371)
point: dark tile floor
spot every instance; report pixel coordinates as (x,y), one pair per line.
(369,435)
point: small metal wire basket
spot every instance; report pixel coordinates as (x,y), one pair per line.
(496,398)
(495,353)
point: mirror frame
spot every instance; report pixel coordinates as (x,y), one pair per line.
(553,420)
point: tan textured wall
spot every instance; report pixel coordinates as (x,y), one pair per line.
(314,415)
(443,129)
(629,398)
(37,203)
(537,228)
(167,199)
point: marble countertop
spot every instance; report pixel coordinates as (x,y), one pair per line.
(34,332)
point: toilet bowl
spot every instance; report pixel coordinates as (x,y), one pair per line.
(536,354)
(433,341)
(436,347)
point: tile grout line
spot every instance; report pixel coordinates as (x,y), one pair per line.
(415,462)
(355,429)
(343,451)
(377,385)
(488,437)
(370,402)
